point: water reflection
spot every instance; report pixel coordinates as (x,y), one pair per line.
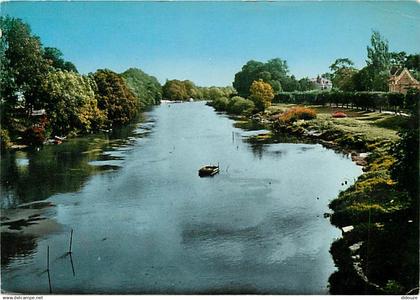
(154,226)
(14,245)
(28,176)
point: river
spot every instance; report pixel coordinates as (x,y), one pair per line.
(145,222)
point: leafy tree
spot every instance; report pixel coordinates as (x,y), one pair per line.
(175,90)
(54,57)
(306,85)
(378,53)
(261,94)
(343,73)
(273,72)
(114,97)
(398,58)
(71,103)
(376,74)
(146,88)
(22,69)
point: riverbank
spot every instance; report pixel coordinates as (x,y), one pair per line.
(377,252)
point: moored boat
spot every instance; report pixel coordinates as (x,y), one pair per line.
(208,171)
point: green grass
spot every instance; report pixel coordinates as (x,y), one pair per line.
(374,126)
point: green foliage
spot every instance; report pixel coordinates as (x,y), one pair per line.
(273,72)
(374,77)
(114,97)
(22,69)
(71,103)
(306,85)
(343,74)
(4,139)
(54,58)
(406,152)
(175,90)
(378,53)
(146,88)
(240,106)
(220,104)
(261,94)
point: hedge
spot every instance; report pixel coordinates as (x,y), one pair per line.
(362,100)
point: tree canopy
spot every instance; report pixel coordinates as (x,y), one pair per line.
(261,94)
(54,58)
(146,88)
(274,72)
(114,97)
(71,103)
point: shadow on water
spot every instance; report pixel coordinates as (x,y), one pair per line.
(28,176)
(13,245)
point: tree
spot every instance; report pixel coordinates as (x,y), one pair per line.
(274,72)
(406,169)
(398,58)
(378,54)
(54,58)
(22,68)
(306,85)
(114,97)
(146,88)
(342,76)
(261,94)
(378,64)
(175,90)
(71,103)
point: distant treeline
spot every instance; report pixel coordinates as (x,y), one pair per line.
(186,90)
(362,100)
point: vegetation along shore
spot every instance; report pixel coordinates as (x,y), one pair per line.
(364,113)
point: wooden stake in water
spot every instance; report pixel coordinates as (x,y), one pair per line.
(71,240)
(48,258)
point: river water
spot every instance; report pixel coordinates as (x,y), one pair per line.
(144,222)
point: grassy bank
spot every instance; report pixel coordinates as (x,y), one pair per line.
(379,255)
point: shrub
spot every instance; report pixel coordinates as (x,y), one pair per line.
(238,105)
(220,104)
(4,138)
(284,98)
(34,136)
(396,100)
(297,113)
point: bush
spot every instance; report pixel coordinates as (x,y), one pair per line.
(240,106)
(297,113)
(4,139)
(220,104)
(395,100)
(412,98)
(34,136)
(284,98)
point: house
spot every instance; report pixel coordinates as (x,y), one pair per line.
(322,83)
(401,81)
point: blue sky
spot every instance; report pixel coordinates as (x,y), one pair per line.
(208,42)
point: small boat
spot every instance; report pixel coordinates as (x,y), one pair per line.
(208,171)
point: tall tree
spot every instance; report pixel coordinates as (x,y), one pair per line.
(274,72)
(70,103)
(343,72)
(22,67)
(378,64)
(146,88)
(54,58)
(114,97)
